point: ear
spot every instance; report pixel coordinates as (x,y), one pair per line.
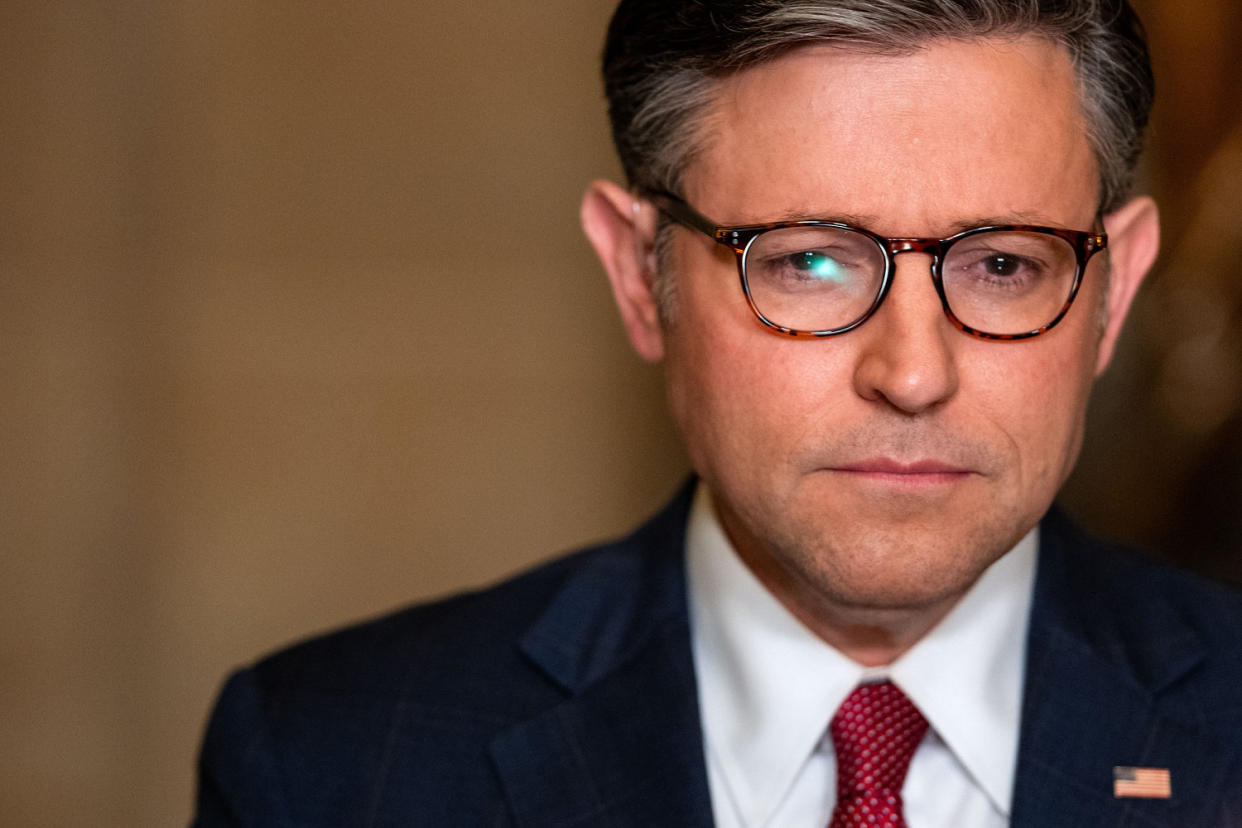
(1133,241)
(622,230)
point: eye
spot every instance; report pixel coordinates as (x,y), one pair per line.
(1005,257)
(1002,265)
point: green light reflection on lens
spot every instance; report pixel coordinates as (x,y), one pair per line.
(824,267)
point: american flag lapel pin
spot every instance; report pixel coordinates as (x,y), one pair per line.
(1141,783)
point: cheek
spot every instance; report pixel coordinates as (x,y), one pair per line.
(709,370)
(744,399)
(1037,395)
(718,395)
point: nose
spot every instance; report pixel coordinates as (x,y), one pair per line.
(908,357)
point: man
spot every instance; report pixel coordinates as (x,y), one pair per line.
(883,249)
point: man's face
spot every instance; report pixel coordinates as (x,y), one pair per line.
(888,466)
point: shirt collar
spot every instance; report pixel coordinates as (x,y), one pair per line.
(768,686)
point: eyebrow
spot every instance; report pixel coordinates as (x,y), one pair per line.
(867,221)
(1020,217)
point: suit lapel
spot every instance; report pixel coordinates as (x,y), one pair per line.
(1099,658)
(626,751)
(625,747)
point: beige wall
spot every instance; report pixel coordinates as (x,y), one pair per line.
(297,326)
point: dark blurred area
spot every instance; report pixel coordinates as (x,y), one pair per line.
(1162,465)
(297,325)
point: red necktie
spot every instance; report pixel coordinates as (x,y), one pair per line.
(875,733)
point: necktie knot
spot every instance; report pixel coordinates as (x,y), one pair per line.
(875,733)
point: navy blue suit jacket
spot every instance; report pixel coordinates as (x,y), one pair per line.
(566,697)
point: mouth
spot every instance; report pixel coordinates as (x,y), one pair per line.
(927,472)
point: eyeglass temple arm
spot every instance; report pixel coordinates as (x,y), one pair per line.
(682,213)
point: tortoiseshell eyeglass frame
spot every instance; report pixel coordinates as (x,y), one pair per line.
(738,239)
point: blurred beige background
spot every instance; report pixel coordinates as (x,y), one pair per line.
(297,326)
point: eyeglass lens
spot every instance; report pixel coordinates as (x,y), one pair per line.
(827,278)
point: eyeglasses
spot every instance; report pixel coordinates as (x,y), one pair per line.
(822,278)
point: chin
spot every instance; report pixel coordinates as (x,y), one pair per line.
(876,593)
(895,570)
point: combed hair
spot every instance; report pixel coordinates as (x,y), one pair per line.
(664,59)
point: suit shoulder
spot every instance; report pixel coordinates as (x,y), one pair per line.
(474,633)
(385,716)
(1135,583)
(429,638)
(1142,581)
(1175,631)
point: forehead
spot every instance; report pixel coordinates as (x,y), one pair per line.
(907,144)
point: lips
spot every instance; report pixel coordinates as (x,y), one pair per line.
(915,475)
(887,466)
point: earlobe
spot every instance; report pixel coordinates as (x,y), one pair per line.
(622,229)
(1133,242)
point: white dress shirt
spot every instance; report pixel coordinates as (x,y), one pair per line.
(768,688)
